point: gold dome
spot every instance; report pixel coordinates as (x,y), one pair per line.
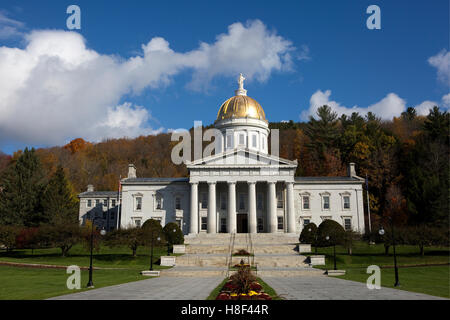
(241,106)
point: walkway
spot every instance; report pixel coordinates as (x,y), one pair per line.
(328,288)
(161,288)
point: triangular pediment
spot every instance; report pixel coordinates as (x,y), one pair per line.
(242,157)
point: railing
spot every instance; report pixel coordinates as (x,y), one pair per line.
(230,253)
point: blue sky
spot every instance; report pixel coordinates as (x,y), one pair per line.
(322,45)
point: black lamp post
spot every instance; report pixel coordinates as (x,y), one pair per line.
(151,252)
(334,251)
(381,232)
(102,232)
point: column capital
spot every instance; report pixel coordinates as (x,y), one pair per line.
(251,182)
(231,182)
(212,182)
(271,182)
(194,182)
(289,182)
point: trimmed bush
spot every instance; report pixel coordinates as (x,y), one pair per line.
(308,234)
(172,237)
(152,228)
(332,229)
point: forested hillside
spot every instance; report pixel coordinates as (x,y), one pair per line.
(406,159)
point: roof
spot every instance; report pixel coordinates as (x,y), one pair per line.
(98,194)
(353,179)
(153,180)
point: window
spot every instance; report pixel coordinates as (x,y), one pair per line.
(178,203)
(229,141)
(137,222)
(204,223)
(241,201)
(113,202)
(260,224)
(306,203)
(262,143)
(279,199)
(254,141)
(259,201)
(280,223)
(347,224)
(105,203)
(305,222)
(346,202)
(178,222)
(326,202)
(223,225)
(112,215)
(138,203)
(97,202)
(223,201)
(158,200)
(241,139)
(104,215)
(204,200)
(89,203)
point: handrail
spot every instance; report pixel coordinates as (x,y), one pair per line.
(230,253)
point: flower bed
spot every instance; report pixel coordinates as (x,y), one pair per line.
(243,285)
(242,252)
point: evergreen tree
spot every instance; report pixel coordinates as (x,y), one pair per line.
(22,186)
(59,205)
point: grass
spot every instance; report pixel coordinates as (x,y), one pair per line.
(41,283)
(266,288)
(105,258)
(22,283)
(416,272)
(433,280)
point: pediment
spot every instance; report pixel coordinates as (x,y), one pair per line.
(241,157)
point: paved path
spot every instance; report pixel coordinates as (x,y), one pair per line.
(161,288)
(328,288)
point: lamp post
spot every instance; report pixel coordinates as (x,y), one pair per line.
(381,232)
(102,232)
(334,251)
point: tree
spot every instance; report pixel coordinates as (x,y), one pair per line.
(333,230)
(59,204)
(151,230)
(8,236)
(131,237)
(22,186)
(173,233)
(28,238)
(63,236)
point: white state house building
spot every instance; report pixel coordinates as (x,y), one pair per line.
(241,188)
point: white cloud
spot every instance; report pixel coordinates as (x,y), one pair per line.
(441,62)
(387,108)
(56,88)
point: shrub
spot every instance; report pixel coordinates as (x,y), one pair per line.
(62,236)
(28,238)
(131,237)
(151,230)
(172,237)
(308,234)
(8,236)
(331,229)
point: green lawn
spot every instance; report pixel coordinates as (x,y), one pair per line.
(41,283)
(107,257)
(433,280)
(19,283)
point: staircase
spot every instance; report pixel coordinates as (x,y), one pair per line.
(211,255)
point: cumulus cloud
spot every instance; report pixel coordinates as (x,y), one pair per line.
(387,108)
(441,62)
(56,88)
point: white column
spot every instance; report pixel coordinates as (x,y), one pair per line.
(252,207)
(212,207)
(231,221)
(272,207)
(194,208)
(290,207)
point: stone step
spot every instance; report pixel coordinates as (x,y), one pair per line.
(257,248)
(194,272)
(289,272)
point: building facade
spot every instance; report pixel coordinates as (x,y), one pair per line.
(240,188)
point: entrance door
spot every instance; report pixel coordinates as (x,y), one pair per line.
(242,224)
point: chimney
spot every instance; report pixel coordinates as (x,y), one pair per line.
(351,170)
(90,188)
(131,171)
